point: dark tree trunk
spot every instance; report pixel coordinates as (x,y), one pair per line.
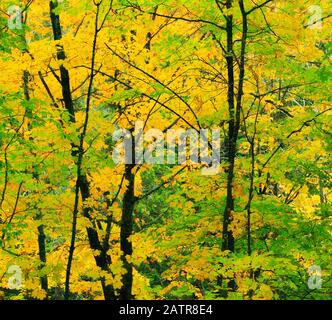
(103,260)
(228,242)
(42,256)
(227,236)
(65,80)
(126,231)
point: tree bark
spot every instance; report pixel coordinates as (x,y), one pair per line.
(42,256)
(227,236)
(228,242)
(126,231)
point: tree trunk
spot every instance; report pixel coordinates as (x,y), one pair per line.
(42,256)
(41,233)
(126,231)
(227,236)
(103,260)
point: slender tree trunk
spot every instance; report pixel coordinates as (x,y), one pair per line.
(228,242)
(41,233)
(42,256)
(65,79)
(227,236)
(103,260)
(252,177)
(251,193)
(126,232)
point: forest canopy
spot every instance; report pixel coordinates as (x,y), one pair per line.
(165,149)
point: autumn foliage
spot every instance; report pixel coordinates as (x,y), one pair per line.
(74,224)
